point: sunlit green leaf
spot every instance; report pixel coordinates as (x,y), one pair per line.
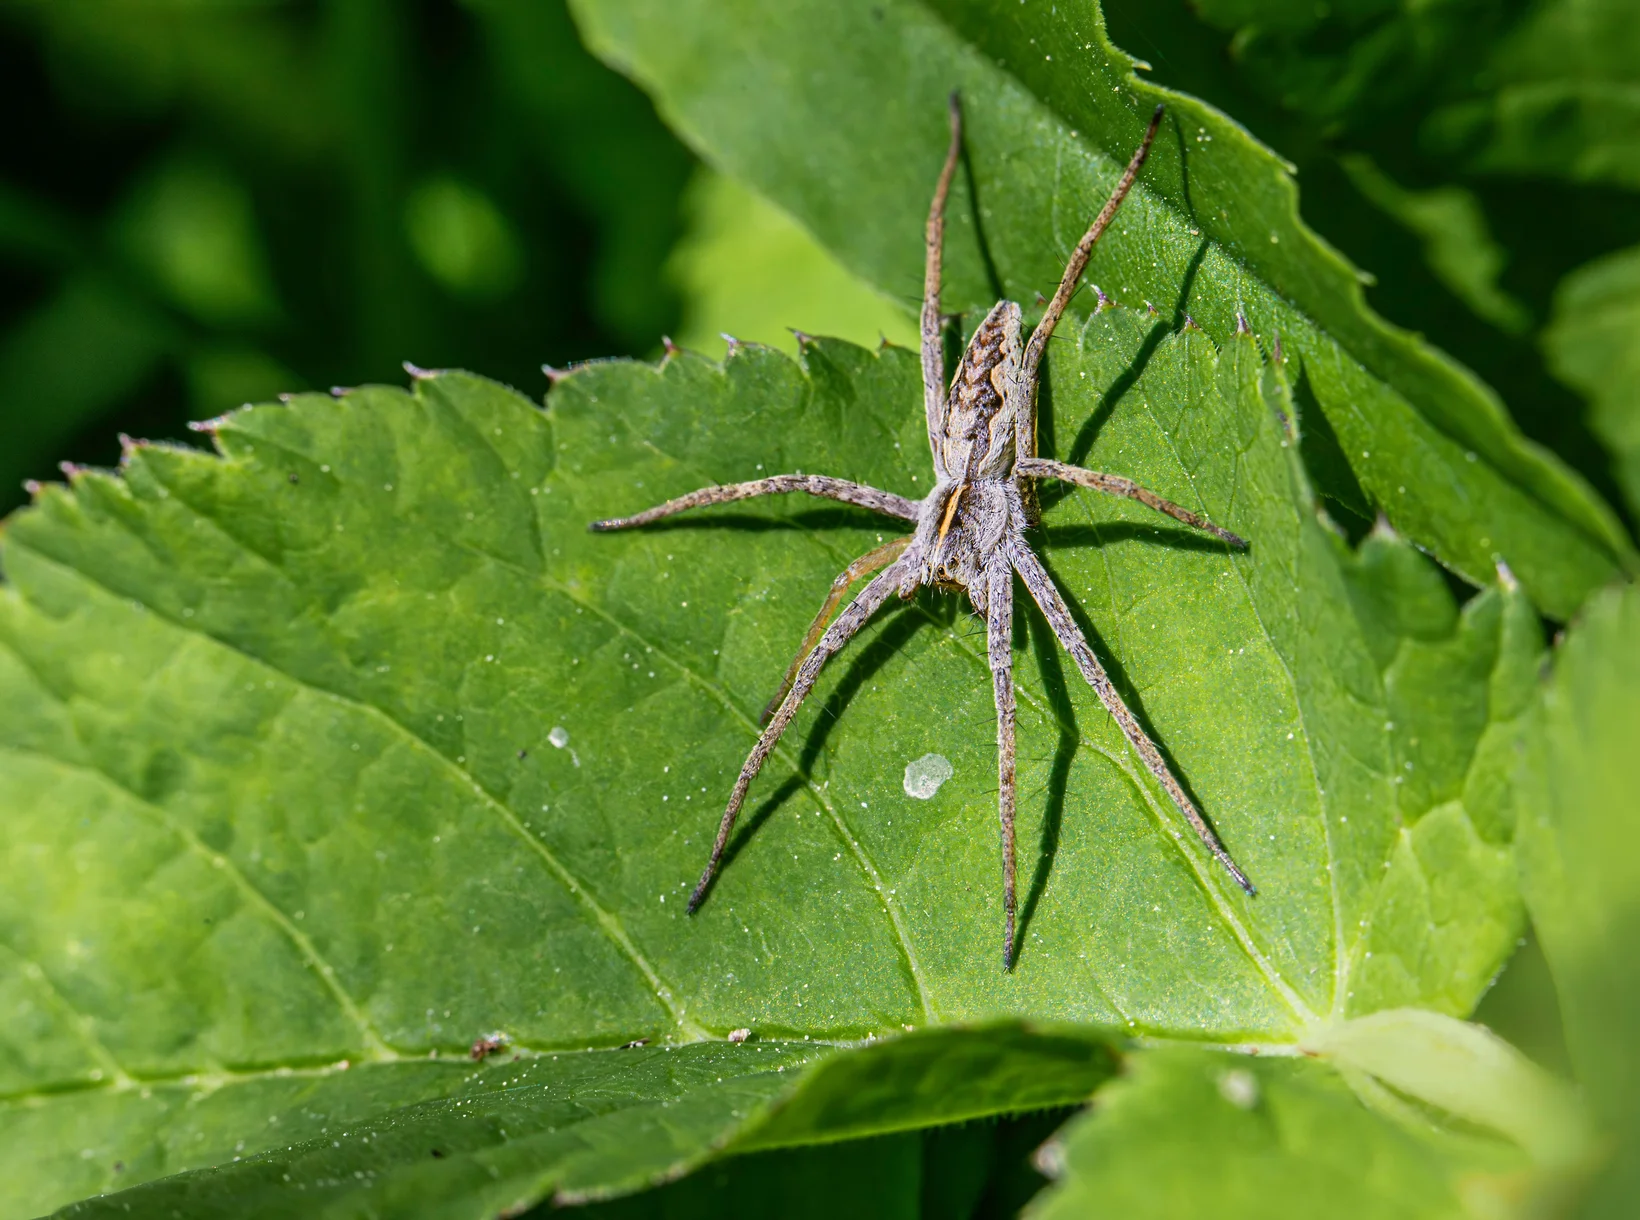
(847,131)
(353,743)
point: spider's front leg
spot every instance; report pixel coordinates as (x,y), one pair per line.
(1116,485)
(933,347)
(1025,421)
(824,486)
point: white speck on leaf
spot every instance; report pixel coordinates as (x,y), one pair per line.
(559,736)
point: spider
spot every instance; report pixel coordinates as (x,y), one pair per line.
(970,529)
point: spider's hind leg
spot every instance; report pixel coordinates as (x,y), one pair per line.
(872,561)
(1046,596)
(836,636)
(999,615)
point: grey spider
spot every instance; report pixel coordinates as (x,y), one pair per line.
(970,529)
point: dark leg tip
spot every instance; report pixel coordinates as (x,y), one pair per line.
(600,527)
(699,896)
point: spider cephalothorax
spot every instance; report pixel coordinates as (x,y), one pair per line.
(969,534)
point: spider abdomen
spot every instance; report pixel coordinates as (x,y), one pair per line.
(986,399)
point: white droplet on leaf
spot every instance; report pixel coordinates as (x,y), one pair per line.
(559,736)
(924,776)
(1239,1087)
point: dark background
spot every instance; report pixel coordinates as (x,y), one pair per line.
(207,204)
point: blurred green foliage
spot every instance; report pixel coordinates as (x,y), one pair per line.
(213,202)
(1469,154)
(747,269)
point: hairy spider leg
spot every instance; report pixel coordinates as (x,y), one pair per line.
(838,634)
(885,502)
(933,348)
(1116,485)
(999,618)
(1025,422)
(872,561)
(1059,618)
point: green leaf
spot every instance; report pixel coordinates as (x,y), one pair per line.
(1579,852)
(353,743)
(1190,1133)
(846,134)
(442,1138)
(1593,344)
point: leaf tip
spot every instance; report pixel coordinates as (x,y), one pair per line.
(340,391)
(554,376)
(1506,578)
(419,373)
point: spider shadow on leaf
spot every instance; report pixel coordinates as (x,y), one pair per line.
(1124,381)
(1050,665)
(1123,531)
(1130,694)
